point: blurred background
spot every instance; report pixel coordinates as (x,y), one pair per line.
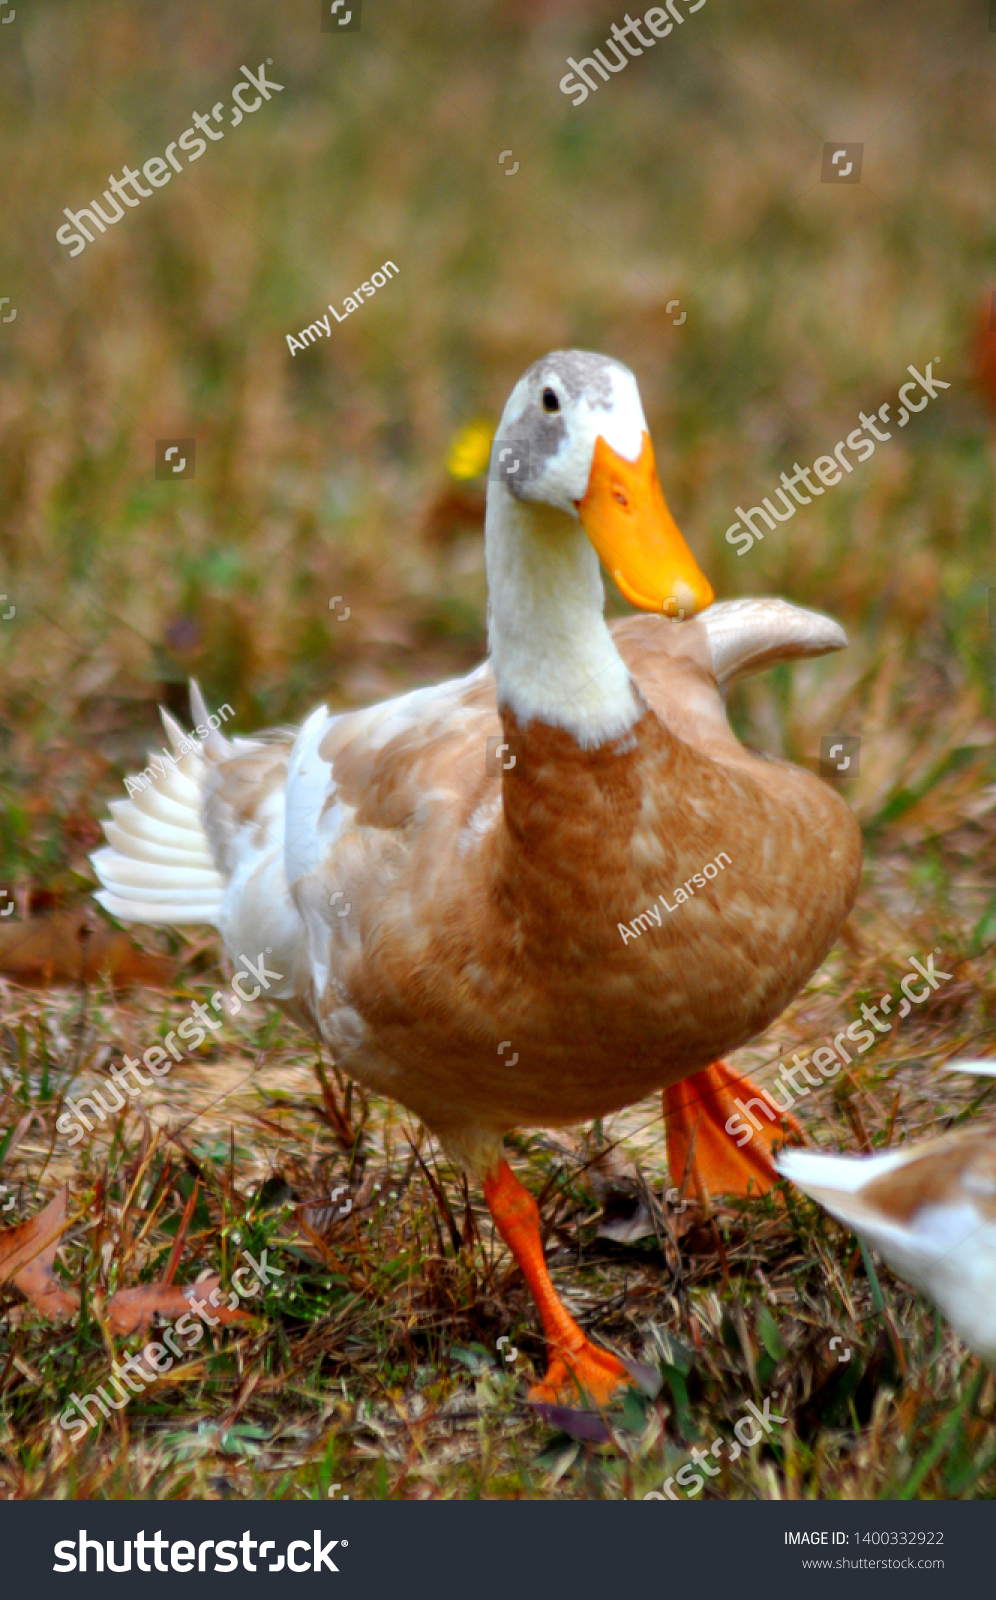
(676,220)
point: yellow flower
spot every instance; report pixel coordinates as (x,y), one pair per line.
(470,449)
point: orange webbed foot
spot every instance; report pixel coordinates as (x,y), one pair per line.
(579,1372)
(697,1112)
(588,1376)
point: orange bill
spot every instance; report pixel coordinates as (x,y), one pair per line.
(625,516)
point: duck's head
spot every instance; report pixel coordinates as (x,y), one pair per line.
(573,437)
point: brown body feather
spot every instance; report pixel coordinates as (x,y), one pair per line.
(481,977)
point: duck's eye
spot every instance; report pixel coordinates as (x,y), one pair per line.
(550,401)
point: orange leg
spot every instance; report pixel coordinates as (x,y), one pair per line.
(576,1366)
(699,1108)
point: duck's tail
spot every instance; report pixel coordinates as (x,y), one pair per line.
(157,866)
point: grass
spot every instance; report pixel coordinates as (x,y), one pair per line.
(694,175)
(374,1360)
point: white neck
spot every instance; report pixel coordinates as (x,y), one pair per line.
(552,654)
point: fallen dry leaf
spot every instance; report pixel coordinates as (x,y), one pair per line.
(27,1257)
(131,1310)
(39,1284)
(69,947)
(21,1244)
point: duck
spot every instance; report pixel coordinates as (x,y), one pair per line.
(462,890)
(928,1208)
